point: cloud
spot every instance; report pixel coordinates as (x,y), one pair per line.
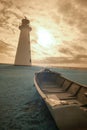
(73,13)
(6,49)
(65,20)
(72,49)
(64,61)
(9,15)
(82,3)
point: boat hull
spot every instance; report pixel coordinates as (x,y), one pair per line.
(65,99)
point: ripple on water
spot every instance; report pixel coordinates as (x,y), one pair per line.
(34,115)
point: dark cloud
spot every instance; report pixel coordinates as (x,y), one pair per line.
(65,51)
(67,11)
(3,11)
(82,2)
(79,48)
(6,48)
(65,7)
(74,48)
(80,59)
(9,14)
(72,14)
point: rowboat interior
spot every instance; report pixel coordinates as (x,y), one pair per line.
(65,99)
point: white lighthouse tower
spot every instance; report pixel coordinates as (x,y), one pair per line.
(23,54)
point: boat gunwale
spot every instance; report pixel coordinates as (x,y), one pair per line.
(38,88)
(66,78)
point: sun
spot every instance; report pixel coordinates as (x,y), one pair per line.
(45,38)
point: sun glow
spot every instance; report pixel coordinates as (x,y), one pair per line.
(44,37)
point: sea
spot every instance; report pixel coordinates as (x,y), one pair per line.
(21,107)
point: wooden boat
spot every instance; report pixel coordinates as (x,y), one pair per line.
(65,99)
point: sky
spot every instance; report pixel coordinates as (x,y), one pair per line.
(59,31)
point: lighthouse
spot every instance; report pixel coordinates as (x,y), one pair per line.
(23,53)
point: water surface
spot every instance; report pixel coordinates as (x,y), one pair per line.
(21,107)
